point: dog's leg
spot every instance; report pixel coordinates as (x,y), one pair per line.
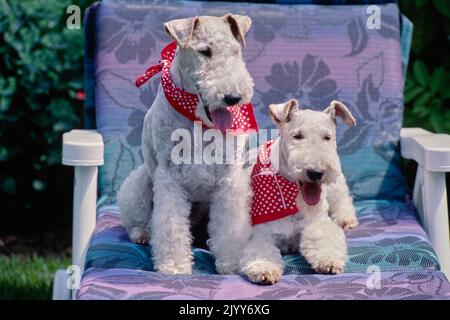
(342,210)
(262,261)
(134,199)
(323,245)
(229,226)
(170,225)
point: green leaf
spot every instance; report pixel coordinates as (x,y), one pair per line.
(413,93)
(436,121)
(421,73)
(440,82)
(445,93)
(423,100)
(409,83)
(438,79)
(420,111)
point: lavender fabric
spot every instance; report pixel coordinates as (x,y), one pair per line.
(139,285)
(313,52)
(388,237)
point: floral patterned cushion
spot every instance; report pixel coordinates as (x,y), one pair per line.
(313,52)
(107,284)
(389,238)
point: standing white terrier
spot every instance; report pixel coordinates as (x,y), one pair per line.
(301,200)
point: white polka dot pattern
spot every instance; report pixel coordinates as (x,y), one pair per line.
(273,196)
(185,103)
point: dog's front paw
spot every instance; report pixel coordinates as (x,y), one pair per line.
(172,269)
(329,267)
(346,222)
(324,246)
(263,272)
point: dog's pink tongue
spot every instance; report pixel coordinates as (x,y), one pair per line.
(222,119)
(311,193)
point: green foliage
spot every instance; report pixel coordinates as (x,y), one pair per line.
(41,70)
(427,89)
(30,278)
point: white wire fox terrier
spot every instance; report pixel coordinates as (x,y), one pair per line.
(204,78)
(301,200)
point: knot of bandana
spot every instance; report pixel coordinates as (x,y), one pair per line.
(244,120)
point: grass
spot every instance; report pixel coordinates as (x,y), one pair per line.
(28,277)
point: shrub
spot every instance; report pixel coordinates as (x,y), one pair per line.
(427,90)
(41,72)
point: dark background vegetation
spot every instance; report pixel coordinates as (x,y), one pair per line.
(41,83)
(41,80)
(427,88)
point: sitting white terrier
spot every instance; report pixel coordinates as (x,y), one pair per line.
(301,200)
(203,77)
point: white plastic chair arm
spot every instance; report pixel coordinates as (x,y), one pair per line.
(82,149)
(432,154)
(429,150)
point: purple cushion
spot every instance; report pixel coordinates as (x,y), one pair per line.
(137,285)
(388,237)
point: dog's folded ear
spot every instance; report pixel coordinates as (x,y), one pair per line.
(280,113)
(338,109)
(239,26)
(181,30)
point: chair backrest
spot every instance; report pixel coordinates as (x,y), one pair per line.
(313,52)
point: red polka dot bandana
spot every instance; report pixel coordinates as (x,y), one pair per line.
(244,120)
(273,196)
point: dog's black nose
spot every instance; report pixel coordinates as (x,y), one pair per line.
(231,99)
(314,175)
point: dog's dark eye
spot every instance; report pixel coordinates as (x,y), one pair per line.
(206,52)
(298,136)
(327,138)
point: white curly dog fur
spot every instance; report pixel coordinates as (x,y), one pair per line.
(307,143)
(155,201)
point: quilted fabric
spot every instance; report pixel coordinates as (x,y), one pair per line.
(139,285)
(389,238)
(315,53)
